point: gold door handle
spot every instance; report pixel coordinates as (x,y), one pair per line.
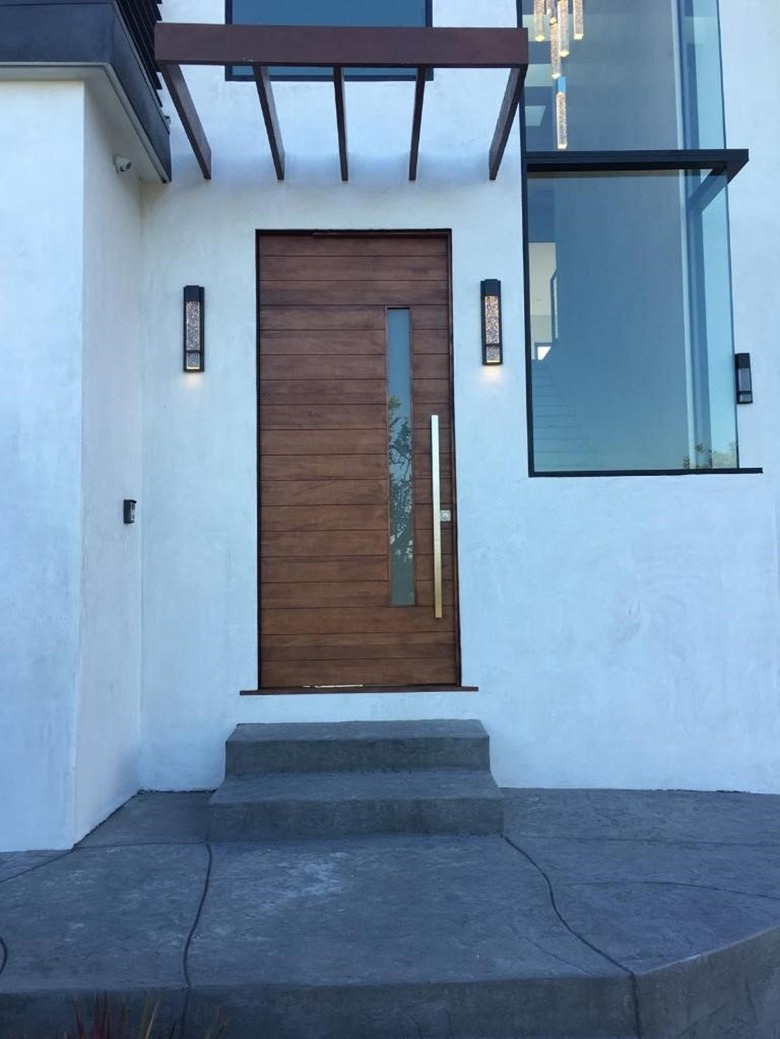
(438,611)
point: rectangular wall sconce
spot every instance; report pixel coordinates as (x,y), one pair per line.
(744,379)
(194,341)
(492,347)
(128,510)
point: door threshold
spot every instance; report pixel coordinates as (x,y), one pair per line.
(319,690)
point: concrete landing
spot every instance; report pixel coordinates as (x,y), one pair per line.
(602,915)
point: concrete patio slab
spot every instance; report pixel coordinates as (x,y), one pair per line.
(602,915)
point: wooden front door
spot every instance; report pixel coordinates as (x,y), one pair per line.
(354,363)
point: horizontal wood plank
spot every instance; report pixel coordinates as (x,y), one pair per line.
(354,245)
(317,467)
(323,544)
(324,442)
(335,293)
(323,492)
(352,268)
(313,416)
(363,643)
(294,571)
(389,641)
(308,595)
(300,392)
(432,391)
(324,343)
(275,570)
(369,672)
(377,620)
(350,318)
(325,364)
(324,517)
(431,366)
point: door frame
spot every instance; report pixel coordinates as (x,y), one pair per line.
(446,234)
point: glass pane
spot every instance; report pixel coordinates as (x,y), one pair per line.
(400,449)
(334,12)
(631,332)
(624,76)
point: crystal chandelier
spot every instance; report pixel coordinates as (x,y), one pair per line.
(560,22)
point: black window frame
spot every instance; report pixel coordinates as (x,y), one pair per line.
(719,162)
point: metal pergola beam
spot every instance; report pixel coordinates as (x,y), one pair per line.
(268,105)
(419,98)
(261,46)
(506,117)
(190,120)
(341,120)
(185,43)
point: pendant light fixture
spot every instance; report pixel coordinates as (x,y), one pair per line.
(563,27)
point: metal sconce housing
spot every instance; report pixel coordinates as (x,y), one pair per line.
(744,378)
(194,339)
(492,345)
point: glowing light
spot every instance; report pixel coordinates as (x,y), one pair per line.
(555,50)
(579,20)
(563,26)
(561,116)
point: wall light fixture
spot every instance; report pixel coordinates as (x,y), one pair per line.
(194,341)
(744,379)
(492,346)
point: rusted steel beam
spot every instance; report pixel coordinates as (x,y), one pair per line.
(341,120)
(419,98)
(268,105)
(506,117)
(184,105)
(184,43)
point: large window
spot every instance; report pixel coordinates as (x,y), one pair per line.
(630,359)
(328,12)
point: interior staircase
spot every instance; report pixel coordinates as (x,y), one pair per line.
(347,779)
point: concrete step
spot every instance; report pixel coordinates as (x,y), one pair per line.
(357,746)
(456,802)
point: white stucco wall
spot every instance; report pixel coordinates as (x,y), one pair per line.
(41,232)
(622,631)
(109,686)
(70,433)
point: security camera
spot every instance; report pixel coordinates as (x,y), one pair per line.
(122,164)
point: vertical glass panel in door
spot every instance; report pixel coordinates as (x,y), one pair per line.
(400,441)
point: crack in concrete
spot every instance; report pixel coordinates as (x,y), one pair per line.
(652,840)
(38,865)
(581,938)
(138,844)
(672,883)
(3,955)
(688,1028)
(191,935)
(554,956)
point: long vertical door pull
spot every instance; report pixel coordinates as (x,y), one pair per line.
(436,499)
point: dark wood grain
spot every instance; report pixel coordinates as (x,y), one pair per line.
(338,293)
(325,598)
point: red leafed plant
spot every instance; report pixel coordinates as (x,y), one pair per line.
(112,1023)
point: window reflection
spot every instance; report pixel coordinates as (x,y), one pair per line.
(631,329)
(400,443)
(606,75)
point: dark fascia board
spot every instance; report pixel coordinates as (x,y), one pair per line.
(727,161)
(87,32)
